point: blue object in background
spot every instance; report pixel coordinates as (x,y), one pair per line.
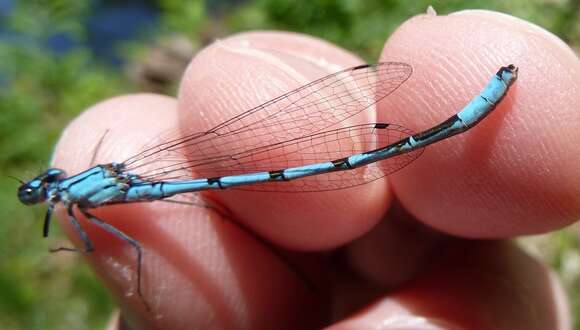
(61,43)
(114,23)
(109,24)
(6,6)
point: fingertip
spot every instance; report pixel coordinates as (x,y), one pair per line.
(238,73)
(499,179)
(144,116)
(241,72)
(376,257)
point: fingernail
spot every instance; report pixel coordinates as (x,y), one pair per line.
(281,57)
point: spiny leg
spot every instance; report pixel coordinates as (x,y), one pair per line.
(80,231)
(135,244)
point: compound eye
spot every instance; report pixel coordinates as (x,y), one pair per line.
(29,195)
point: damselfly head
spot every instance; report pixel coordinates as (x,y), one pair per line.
(34,191)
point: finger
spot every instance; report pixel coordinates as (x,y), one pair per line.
(241,72)
(474,285)
(197,266)
(514,173)
(395,250)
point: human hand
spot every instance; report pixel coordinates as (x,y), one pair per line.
(511,175)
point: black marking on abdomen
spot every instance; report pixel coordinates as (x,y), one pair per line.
(396,145)
(276,175)
(342,163)
(510,68)
(487,100)
(218,180)
(437,129)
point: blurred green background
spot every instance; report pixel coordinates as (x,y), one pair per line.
(58,57)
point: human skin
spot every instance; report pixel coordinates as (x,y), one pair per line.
(514,174)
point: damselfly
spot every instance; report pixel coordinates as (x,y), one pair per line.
(291,140)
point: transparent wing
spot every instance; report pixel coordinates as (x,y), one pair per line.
(299,113)
(316,148)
